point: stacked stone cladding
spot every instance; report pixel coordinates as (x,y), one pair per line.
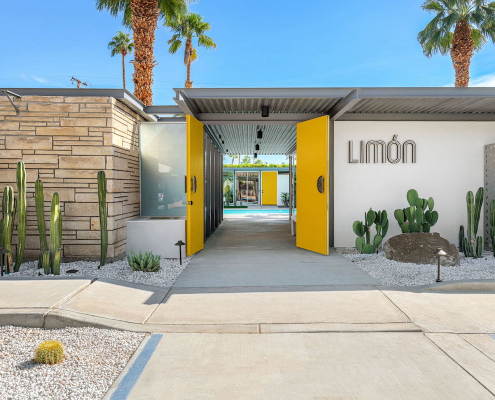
(65,141)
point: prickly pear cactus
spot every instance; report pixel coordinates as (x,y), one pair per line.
(419,216)
(364,244)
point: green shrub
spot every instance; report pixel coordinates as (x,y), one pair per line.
(146,263)
(284,196)
(49,352)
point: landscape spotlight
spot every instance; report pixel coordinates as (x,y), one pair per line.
(259,134)
(256,146)
(255,155)
(265,111)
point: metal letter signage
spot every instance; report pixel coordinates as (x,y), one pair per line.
(392,151)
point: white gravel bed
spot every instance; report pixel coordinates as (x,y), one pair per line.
(120,270)
(94,359)
(394,273)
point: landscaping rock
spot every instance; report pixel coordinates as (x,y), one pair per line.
(420,248)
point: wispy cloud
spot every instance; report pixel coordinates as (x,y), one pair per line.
(487,80)
(39,79)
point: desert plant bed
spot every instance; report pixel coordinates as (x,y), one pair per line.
(93,360)
(394,273)
(120,270)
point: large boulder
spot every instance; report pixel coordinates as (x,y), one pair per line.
(420,248)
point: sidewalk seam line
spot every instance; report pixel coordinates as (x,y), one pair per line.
(464,369)
(475,347)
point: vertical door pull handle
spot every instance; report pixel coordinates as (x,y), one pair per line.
(320,184)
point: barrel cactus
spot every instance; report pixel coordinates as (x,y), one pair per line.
(419,216)
(49,352)
(472,245)
(363,231)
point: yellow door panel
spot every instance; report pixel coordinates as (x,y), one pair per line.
(269,188)
(195,186)
(312,225)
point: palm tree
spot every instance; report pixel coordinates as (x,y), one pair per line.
(142,16)
(121,44)
(459,27)
(186,27)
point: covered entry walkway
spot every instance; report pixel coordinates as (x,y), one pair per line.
(259,250)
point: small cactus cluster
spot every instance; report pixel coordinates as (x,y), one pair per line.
(419,216)
(472,245)
(49,352)
(146,263)
(363,231)
(102,207)
(50,255)
(10,207)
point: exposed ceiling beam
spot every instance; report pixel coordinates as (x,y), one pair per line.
(417,117)
(345,105)
(254,118)
(185,104)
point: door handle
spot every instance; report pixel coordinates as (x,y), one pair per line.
(194,184)
(320,184)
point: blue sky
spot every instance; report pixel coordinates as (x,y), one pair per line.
(260,43)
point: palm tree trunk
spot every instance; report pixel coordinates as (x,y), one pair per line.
(189,50)
(462,52)
(144,20)
(123,69)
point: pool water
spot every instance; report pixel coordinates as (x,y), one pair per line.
(251,211)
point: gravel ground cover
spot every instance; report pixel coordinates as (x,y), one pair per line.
(120,270)
(394,273)
(94,359)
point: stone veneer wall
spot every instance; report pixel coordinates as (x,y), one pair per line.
(65,141)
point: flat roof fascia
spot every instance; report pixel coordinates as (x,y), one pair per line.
(119,94)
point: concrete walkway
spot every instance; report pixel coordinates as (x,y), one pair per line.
(282,323)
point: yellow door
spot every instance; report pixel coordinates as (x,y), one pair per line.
(195,186)
(312,224)
(269,188)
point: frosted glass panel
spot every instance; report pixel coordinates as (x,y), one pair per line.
(163,169)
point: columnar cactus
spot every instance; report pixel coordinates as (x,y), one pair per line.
(472,245)
(7,225)
(492,225)
(102,199)
(363,231)
(21,219)
(55,235)
(419,216)
(40,217)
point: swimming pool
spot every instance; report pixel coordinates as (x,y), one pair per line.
(251,211)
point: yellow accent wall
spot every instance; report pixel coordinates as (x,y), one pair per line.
(195,187)
(269,188)
(312,227)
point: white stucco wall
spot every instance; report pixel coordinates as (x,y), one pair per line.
(450,161)
(282,186)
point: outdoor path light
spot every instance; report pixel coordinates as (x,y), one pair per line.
(180,243)
(439,254)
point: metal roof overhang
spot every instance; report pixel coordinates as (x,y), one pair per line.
(232,115)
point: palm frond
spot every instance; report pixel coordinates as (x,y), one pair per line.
(207,42)
(174,46)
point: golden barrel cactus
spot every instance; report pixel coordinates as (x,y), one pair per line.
(49,352)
